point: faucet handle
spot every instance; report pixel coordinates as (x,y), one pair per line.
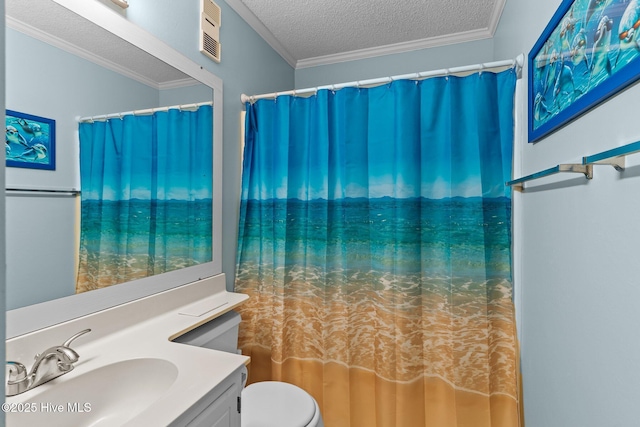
(67,343)
(16,376)
(15,371)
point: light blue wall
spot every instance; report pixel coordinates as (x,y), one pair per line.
(580,276)
(186,95)
(454,55)
(249,65)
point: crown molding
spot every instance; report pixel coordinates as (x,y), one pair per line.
(402,47)
(85,54)
(257,25)
(464,37)
(495,16)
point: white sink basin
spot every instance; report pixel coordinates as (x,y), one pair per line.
(106,396)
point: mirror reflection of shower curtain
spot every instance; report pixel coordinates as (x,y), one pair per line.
(375,246)
(146,195)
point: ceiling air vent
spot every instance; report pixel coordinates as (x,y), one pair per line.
(210,30)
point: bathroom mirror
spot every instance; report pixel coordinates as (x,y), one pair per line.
(124,69)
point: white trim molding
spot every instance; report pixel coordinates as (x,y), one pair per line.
(463,37)
(495,17)
(402,47)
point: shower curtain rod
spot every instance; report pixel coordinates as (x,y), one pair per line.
(518,62)
(148,111)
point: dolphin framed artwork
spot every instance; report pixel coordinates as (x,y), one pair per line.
(589,51)
(30,141)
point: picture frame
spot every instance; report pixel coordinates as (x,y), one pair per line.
(589,51)
(30,141)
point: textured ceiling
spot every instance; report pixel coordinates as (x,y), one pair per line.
(304,32)
(54,24)
(311,32)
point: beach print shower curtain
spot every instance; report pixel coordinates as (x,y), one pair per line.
(374,243)
(146,204)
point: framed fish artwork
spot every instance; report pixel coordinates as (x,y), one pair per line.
(30,141)
(589,51)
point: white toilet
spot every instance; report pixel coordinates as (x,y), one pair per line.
(286,404)
(264,404)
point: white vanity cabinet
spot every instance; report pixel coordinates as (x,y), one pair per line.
(222,406)
(219,408)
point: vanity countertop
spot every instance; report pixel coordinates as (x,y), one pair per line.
(191,371)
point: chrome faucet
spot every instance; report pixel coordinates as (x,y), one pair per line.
(50,364)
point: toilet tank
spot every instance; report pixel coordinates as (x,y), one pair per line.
(220,333)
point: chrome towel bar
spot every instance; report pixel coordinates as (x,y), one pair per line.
(614,157)
(587,170)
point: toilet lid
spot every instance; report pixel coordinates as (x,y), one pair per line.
(276,404)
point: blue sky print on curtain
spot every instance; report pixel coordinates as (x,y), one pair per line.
(146,195)
(374,243)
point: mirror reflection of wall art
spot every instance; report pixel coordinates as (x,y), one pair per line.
(588,52)
(30,141)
